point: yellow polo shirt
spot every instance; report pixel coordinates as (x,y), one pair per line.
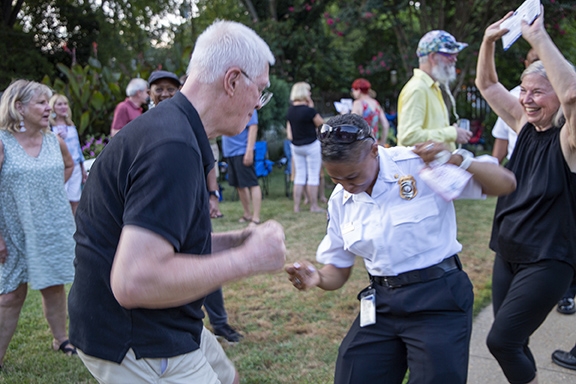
(422,114)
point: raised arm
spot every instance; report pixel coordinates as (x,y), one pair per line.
(501,101)
(562,76)
(318,120)
(357,107)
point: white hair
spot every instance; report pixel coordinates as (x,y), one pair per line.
(136,85)
(225,44)
(537,67)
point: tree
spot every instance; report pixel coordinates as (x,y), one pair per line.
(70,31)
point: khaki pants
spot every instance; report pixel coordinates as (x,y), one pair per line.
(207,365)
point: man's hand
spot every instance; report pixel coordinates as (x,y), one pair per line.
(462,136)
(214,207)
(265,248)
(248,159)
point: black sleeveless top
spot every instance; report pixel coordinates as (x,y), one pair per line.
(538,220)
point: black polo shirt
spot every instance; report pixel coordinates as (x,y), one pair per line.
(152,175)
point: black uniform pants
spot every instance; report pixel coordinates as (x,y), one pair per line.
(425,327)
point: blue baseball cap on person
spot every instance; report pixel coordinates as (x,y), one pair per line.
(438,41)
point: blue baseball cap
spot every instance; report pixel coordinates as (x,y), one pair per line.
(438,41)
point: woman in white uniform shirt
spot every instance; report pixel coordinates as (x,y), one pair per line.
(382,211)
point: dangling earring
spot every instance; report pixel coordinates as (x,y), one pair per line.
(22,127)
(53,115)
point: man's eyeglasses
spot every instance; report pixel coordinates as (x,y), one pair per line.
(341,134)
(265,96)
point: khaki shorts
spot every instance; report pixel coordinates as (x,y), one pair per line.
(207,365)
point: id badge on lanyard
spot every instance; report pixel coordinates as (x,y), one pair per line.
(368,307)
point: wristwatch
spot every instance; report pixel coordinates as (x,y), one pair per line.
(215,193)
(467,157)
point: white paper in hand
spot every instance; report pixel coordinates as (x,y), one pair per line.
(343,106)
(528,11)
(447,180)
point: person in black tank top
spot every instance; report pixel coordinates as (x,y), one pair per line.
(534,227)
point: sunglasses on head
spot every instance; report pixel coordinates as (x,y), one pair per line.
(341,134)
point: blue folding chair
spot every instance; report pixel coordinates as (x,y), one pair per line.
(262,165)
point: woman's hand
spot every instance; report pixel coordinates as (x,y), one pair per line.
(493,32)
(3,250)
(84,173)
(303,275)
(531,32)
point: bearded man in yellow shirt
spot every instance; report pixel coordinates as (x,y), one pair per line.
(422,111)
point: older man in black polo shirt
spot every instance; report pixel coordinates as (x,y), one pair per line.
(145,256)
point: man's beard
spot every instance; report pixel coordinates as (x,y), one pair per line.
(444,73)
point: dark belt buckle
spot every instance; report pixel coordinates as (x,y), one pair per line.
(389,283)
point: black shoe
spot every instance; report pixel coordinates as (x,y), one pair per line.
(228,333)
(566,306)
(564,359)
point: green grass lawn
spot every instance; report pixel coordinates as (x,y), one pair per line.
(290,336)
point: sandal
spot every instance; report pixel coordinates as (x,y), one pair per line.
(257,222)
(67,348)
(245,219)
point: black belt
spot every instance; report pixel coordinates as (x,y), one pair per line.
(418,275)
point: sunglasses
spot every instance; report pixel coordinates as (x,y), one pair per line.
(341,134)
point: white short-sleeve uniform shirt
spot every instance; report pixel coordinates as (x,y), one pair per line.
(391,234)
(504,132)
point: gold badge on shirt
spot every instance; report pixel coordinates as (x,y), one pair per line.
(408,189)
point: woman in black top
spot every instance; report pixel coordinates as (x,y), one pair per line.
(301,131)
(534,227)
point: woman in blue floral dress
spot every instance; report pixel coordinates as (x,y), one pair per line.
(36,223)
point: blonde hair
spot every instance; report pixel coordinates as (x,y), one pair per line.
(53,100)
(300,91)
(20,91)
